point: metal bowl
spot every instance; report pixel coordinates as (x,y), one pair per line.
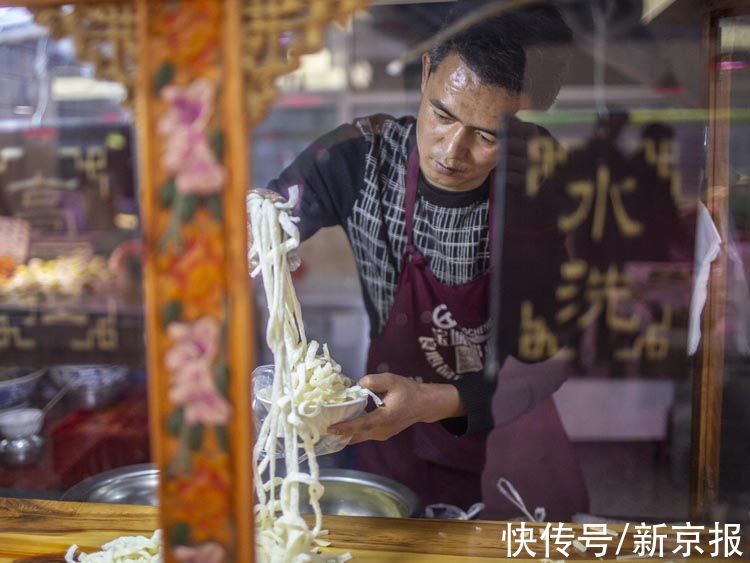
(357,493)
(347,492)
(21,452)
(16,385)
(132,484)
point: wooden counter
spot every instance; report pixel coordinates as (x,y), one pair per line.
(41,531)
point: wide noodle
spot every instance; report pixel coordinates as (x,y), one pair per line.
(125,549)
(304,382)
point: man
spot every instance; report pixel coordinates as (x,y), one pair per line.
(415,200)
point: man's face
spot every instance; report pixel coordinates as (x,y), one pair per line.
(456,126)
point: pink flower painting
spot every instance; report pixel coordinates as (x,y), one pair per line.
(210,552)
(193,382)
(187,153)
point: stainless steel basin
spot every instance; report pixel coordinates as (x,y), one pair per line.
(356,493)
(132,484)
(347,492)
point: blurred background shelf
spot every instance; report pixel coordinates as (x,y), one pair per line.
(91,331)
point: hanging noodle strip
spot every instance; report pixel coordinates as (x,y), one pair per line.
(304,382)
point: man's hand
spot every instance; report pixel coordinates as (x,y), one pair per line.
(405,402)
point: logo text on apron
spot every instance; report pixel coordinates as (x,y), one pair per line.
(466,346)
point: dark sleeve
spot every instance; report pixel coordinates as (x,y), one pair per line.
(507,397)
(329,173)
(476,393)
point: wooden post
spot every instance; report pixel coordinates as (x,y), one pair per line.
(193,178)
(205,74)
(707,385)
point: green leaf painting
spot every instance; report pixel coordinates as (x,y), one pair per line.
(164,75)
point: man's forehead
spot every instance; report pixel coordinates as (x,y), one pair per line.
(453,67)
(461,76)
(458,88)
(452,71)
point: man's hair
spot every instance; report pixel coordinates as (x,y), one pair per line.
(524,50)
(495,60)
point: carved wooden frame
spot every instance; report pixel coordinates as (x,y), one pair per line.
(709,375)
(248,90)
(197,225)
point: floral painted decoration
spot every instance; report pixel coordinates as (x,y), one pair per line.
(211,552)
(191,290)
(187,152)
(190,155)
(193,382)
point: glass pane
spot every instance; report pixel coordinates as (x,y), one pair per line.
(596,292)
(72,345)
(734,456)
(600,169)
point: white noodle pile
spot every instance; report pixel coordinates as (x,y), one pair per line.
(304,382)
(125,549)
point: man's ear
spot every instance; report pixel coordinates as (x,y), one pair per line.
(425,70)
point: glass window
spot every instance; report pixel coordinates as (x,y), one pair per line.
(73,400)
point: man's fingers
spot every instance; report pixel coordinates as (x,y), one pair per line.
(377,382)
(363,424)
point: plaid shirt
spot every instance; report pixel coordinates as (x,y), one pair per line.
(356,177)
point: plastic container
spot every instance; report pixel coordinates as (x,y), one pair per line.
(262,379)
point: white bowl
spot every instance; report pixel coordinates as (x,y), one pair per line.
(262,379)
(21,423)
(329,414)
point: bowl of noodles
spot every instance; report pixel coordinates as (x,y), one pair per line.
(319,410)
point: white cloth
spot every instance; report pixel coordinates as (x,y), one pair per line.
(707,246)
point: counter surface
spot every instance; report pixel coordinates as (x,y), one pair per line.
(40,531)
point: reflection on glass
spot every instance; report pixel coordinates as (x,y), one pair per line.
(606,251)
(734,456)
(603,300)
(71,330)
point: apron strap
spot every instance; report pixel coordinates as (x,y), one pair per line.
(412,178)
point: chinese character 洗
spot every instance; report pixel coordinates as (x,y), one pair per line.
(602,293)
(587,294)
